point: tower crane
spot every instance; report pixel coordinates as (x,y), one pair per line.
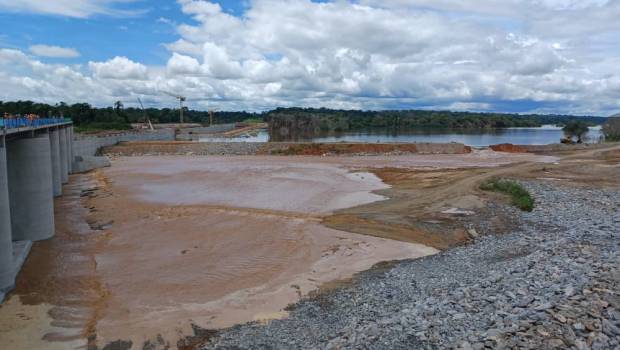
(181,100)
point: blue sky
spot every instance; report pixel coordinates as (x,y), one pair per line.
(543,56)
(101,37)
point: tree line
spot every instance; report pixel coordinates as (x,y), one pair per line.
(340,120)
(119,117)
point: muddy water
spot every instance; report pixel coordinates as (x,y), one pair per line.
(215,241)
(273,184)
(58,294)
(155,244)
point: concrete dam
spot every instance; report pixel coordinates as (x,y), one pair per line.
(36,158)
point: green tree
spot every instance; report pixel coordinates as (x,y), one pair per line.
(576,129)
(611,129)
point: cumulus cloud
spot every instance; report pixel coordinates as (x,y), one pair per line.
(54,51)
(119,68)
(460,54)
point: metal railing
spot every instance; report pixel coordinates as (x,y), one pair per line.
(15,123)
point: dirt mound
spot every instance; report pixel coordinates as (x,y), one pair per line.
(508,148)
(317,149)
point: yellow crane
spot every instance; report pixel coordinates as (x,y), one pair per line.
(181,100)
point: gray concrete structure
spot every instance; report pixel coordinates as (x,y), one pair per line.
(7,278)
(64,169)
(91,144)
(56,159)
(30,162)
(30,188)
(69,148)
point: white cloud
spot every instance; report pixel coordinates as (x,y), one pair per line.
(69,8)
(461,54)
(119,68)
(54,51)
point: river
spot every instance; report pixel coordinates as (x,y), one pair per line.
(547,134)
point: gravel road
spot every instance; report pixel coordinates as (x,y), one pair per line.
(553,283)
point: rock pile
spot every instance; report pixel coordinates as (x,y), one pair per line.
(553,283)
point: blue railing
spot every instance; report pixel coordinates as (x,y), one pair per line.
(14,123)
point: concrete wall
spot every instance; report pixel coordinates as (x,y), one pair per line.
(30,190)
(71,149)
(85,145)
(64,169)
(6,246)
(56,159)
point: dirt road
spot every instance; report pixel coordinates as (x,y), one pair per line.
(419,199)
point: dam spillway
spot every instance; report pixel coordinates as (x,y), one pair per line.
(35,160)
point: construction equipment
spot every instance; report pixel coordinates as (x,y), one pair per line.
(146,116)
(181,100)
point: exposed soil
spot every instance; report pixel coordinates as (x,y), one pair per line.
(280,148)
(508,147)
(319,149)
(419,199)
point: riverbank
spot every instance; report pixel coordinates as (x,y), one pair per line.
(279,148)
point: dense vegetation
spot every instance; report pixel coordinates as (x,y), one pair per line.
(611,129)
(339,120)
(576,128)
(520,197)
(118,117)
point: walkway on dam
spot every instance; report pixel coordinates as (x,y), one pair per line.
(36,157)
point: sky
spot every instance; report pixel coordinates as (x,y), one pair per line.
(524,56)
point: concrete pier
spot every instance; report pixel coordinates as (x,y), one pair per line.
(56,159)
(64,156)
(71,150)
(7,278)
(31,191)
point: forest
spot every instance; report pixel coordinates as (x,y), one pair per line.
(341,120)
(118,117)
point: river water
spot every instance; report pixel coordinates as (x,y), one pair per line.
(477,138)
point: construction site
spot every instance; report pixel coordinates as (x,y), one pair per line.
(158,243)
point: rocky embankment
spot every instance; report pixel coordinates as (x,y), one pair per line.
(280,148)
(553,283)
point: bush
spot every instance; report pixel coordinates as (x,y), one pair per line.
(576,129)
(521,198)
(611,129)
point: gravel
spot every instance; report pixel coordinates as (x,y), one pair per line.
(553,282)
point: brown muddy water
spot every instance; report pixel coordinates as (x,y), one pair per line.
(152,245)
